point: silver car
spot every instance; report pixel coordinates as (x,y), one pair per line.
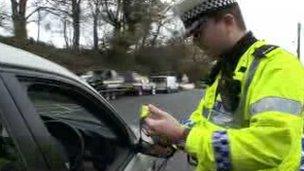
(52,120)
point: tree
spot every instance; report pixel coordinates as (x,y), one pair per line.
(131,21)
(159,25)
(19,18)
(76,22)
(3,16)
(96,7)
(65,10)
(160,18)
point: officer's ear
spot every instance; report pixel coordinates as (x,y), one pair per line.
(229,20)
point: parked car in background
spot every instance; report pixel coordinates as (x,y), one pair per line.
(139,84)
(165,83)
(107,82)
(185,84)
(50,119)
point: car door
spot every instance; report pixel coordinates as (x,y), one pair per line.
(55,96)
(17,138)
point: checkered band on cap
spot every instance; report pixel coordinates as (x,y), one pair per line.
(198,7)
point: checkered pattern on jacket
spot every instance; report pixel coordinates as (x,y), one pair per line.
(221,150)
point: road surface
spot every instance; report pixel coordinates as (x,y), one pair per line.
(179,105)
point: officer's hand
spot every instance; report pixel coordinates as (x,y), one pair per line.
(162,123)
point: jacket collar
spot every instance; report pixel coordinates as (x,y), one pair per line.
(229,60)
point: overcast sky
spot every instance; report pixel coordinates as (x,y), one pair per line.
(275,20)
(272,20)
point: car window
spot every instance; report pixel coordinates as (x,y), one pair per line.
(9,156)
(56,103)
(158,80)
(88,137)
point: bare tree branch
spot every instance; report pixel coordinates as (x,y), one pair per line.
(33,12)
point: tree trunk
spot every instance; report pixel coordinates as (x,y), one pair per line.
(76,23)
(39,25)
(95,31)
(19,19)
(153,42)
(20,31)
(66,39)
(144,41)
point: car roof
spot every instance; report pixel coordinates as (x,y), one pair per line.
(14,57)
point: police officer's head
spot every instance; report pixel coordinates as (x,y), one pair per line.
(216,25)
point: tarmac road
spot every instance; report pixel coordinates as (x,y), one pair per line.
(180,105)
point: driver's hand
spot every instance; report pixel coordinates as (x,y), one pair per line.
(163,124)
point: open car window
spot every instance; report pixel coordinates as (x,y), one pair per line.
(88,136)
(60,104)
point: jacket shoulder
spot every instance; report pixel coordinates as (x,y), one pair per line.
(281,58)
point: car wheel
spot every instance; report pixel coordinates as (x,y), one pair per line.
(140,91)
(153,91)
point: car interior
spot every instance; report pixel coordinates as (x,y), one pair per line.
(87,142)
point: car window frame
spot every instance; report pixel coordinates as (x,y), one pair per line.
(26,141)
(30,72)
(70,89)
(75,87)
(38,75)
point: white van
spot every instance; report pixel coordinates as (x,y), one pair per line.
(165,83)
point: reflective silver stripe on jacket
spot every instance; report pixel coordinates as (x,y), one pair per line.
(276,104)
(239,114)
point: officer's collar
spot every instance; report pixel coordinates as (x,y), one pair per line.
(229,60)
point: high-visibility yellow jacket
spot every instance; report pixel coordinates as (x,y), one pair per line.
(265,131)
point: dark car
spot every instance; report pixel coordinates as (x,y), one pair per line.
(139,85)
(52,120)
(107,82)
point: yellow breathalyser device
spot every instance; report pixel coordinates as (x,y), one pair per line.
(144,112)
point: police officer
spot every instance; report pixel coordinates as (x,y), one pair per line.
(250,117)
